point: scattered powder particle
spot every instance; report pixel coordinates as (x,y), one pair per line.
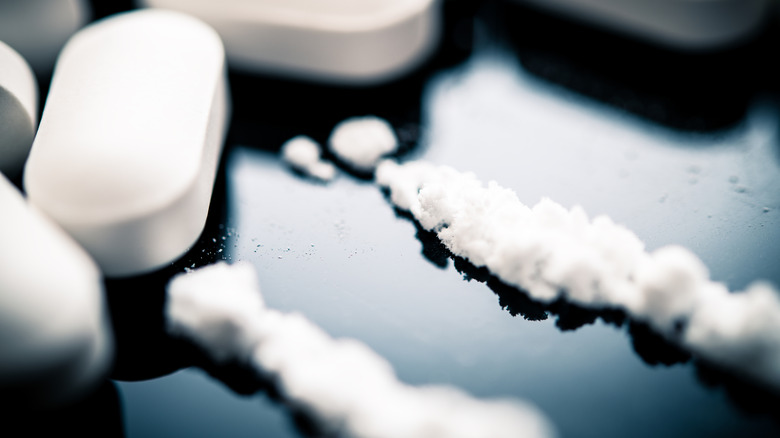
(341,382)
(552,252)
(363,141)
(733,179)
(766,209)
(740,189)
(303,154)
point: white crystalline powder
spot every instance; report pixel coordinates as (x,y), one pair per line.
(363,141)
(550,252)
(303,153)
(340,381)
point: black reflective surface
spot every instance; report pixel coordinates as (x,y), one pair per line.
(542,106)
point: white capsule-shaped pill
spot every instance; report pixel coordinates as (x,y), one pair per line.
(132,129)
(39,28)
(18,110)
(55,339)
(342,41)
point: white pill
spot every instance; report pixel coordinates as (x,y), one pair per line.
(686,24)
(18,111)
(55,339)
(39,28)
(346,41)
(127,150)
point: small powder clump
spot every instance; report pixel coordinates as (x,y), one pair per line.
(362,141)
(304,154)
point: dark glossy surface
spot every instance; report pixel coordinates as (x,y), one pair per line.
(697,167)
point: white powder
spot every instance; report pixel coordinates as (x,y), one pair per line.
(363,141)
(340,381)
(553,252)
(303,154)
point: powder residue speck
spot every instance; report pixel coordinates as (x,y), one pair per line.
(361,142)
(341,382)
(304,154)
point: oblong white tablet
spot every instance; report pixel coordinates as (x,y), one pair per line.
(18,110)
(39,28)
(130,137)
(684,24)
(345,41)
(55,339)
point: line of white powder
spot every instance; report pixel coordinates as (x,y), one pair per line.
(552,252)
(339,381)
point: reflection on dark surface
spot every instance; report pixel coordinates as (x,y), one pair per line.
(137,304)
(97,414)
(682,90)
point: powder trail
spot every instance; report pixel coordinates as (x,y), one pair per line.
(341,382)
(552,252)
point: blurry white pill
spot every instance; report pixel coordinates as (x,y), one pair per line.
(18,111)
(685,24)
(55,339)
(127,150)
(39,28)
(344,41)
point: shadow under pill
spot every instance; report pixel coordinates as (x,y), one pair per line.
(144,350)
(683,90)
